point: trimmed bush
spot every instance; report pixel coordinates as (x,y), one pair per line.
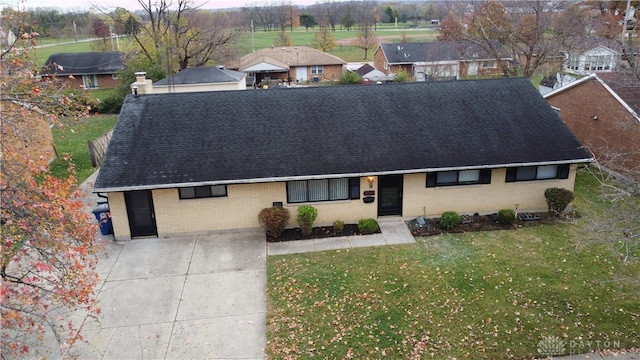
(507,217)
(368,226)
(274,220)
(449,219)
(307,214)
(338,226)
(558,199)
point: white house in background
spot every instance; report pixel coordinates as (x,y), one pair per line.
(593,54)
(7,38)
(192,80)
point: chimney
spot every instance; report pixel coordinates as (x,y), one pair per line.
(142,84)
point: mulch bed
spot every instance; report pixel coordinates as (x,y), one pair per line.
(317,233)
(477,223)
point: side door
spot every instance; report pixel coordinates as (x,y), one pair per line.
(142,217)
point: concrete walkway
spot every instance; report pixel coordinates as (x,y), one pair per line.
(392,231)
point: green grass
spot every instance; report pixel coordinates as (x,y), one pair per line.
(72,139)
(485,295)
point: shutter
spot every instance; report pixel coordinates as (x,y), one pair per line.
(485,176)
(431,179)
(563,171)
(511,174)
(354,188)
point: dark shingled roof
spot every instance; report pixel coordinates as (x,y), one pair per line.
(403,53)
(165,140)
(626,85)
(201,75)
(89,63)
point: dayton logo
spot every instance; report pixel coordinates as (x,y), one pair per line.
(551,345)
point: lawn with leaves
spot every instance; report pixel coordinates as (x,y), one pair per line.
(71,142)
(485,295)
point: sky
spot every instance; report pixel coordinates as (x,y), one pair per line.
(129,4)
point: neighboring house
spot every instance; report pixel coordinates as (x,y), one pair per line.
(7,38)
(603,111)
(199,162)
(194,79)
(439,60)
(593,54)
(553,82)
(300,64)
(369,73)
(89,70)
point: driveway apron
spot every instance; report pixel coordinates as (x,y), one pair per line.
(191,297)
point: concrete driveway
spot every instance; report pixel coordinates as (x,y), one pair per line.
(181,298)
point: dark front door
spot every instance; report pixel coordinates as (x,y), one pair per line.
(142,218)
(390,195)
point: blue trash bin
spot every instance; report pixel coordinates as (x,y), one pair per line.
(103,216)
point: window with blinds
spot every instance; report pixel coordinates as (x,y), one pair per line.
(323,190)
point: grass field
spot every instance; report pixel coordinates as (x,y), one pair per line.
(485,295)
(72,139)
(262,39)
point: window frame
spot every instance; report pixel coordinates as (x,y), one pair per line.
(562,172)
(352,190)
(484,177)
(202,192)
(317,69)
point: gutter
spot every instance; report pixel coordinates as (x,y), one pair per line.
(336,176)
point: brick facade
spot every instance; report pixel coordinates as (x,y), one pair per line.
(244,201)
(599,121)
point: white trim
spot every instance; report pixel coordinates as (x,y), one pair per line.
(334,176)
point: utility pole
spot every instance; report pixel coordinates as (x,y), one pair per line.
(253,45)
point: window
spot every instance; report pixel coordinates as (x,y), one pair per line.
(90,81)
(317,69)
(323,190)
(490,64)
(543,172)
(198,192)
(461,177)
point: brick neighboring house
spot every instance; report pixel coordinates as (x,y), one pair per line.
(603,111)
(352,152)
(90,70)
(299,64)
(439,60)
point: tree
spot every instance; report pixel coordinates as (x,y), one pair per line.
(451,29)
(324,39)
(392,15)
(308,21)
(526,29)
(49,251)
(366,39)
(283,39)
(348,22)
(179,35)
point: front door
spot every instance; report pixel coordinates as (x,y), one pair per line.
(142,218)
(390,195)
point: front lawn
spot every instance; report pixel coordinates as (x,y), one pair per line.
(493,295)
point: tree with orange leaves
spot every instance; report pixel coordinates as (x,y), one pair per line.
(49,253)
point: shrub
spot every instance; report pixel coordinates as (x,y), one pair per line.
(307,214)
(338,226)
(368,226)
(507,216)
(558,199)
(350,77)
(274,220)
(450,219)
